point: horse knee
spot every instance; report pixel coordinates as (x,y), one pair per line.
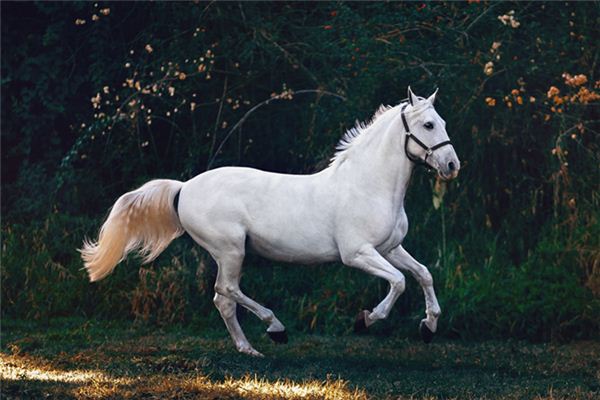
(398,283)
(426,278)
(227,290)
(225,306)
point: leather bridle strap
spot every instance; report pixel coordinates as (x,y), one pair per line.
(428,150)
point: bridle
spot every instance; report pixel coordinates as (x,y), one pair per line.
(428,150)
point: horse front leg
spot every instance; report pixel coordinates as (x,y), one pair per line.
(370,261)
(401,259)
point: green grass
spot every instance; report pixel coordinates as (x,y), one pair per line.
(72,358)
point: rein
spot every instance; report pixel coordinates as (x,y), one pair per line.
(428,150)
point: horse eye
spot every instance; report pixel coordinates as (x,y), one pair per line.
(428,125)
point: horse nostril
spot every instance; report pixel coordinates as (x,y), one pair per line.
(451,166)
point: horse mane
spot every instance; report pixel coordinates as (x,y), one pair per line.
(353,134)
(349,138)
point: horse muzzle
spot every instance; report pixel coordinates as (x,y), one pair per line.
(449,170)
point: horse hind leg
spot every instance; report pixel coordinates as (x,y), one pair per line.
(227,309)
(227,285)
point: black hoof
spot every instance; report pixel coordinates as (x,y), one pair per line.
(360,323)
(278,337)
(426,334)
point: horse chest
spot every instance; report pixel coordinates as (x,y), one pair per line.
(395,236)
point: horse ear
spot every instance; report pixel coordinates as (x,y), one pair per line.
(412,99)
(431,98)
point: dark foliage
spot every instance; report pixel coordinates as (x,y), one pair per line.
(98,98)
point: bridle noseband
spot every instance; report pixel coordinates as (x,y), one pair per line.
(428,150)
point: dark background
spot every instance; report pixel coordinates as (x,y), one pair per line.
(513,244)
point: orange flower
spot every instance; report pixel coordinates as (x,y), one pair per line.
(553,91)
(490,101)
(519,100)
(576,80)
(586,96)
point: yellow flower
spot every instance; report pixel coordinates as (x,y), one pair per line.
(96,100)
(488,68)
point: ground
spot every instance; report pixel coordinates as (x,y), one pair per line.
(102,359)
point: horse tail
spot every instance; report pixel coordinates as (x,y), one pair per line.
(144,220)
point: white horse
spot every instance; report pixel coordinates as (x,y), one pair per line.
(351,211)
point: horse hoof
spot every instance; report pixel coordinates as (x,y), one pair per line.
(251,352)
(360,323)
(426,333)
(278,337)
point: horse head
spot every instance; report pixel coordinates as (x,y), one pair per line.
(427,141)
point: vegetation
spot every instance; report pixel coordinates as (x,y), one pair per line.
(95,359)
(98,98)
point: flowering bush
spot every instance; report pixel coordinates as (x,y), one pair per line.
(98,99)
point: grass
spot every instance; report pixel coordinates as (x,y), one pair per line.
(70,358)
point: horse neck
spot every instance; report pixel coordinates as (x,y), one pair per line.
(379,163)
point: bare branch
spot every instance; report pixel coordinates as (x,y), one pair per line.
(256,107)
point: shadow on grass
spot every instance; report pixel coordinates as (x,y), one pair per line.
(94,360)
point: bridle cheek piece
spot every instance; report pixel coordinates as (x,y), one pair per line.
(428,150)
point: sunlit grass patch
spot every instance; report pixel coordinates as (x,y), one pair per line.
(95,384)
(95,361)
(247,387)
(24,368)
